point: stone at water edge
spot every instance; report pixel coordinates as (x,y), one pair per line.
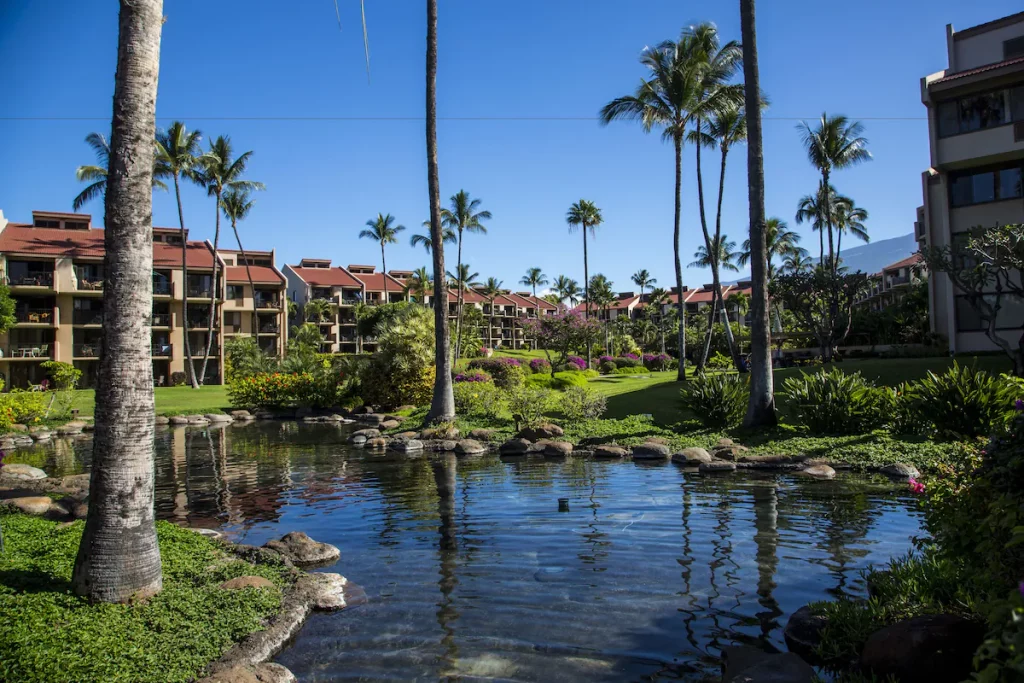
(481,434)
(803,633)
(541,431)
(514,447)
(241,415)
(178,420)
(935,648)
(745,664)
(610,451)
(558,449)
(257,582)
(333,591)
(218,417)
(357,440)
(390,424)
(301,549)
(377,442)
(22,472)
(161,420)
(651,451)
(470,447)
(30,505)
(819,471)
(717,466)
(367,433)
(268,672)
(406,445)
(445,445)
(901,470)
(691,456)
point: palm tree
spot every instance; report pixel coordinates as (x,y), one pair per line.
(643,280)
(236,206)
(317,310)
(442,404)
(761,407)
(849,218)
(601,297)
(811,209)
(796,261)
(490,291)
(723,253)
(780,241)
(463,217)
(118,558)
(657,300)
(418,284)
(219,172)
(575,293)
(448,236)
(534,278)
(561,287)
(584,214)
(96,174)
(178,150)
(463,275)
(383,231)
(833,144)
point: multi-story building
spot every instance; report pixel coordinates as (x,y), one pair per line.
(976,141)
(316,279)
(892,283)
(696,301)
(255,299)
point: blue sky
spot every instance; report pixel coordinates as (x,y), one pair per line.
(519,86)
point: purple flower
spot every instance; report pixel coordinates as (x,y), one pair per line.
(1019,405)
(1020,587)
(631,356)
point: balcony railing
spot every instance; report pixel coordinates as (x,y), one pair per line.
(30,351)
(163,287)
(350,300)
(161,350)
(87,317)
(84,284)
(898,280)
(86,350)
(35,316)
(267,303)
(160,320)
(198,320)
(41,279)
(199,349)
(270,328)
(199,291)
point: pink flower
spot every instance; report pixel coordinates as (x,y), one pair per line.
(915,485)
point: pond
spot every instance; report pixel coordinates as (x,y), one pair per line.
(473,572)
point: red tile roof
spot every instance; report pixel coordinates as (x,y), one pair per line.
(375,282)
(261,275)
(326,277)
(979,70)
(911,260)
(55,243)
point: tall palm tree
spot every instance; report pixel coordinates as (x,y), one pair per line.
(418,284)
(656,302)
(602,297)
(464,276)
(586,216)
(780,241)
(574,293)
(811,209)
(236,205)
(220,172)
(561,287)
(383,231)
(761,407)
(534,278)
(463,216)
(723,254)
(118,558)
(834,143)
(96,174)
(723,251)
(643,280)
(442,404)
(417,240)
(178,150)
(849,218)
(490,291)
(796,261)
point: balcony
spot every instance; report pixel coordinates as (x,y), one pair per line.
(269,328)
(88,280)
(86,350)
(268,303)
(30,351)
(163,287)
(87,317)
(350,300)
(160,320)
(34,316)
(161,350)
(31,279)
(896,280)
(976,147)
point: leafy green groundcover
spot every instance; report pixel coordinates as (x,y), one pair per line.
(49,634)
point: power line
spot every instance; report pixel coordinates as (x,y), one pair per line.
(415,118)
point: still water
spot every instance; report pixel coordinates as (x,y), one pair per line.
(473,573)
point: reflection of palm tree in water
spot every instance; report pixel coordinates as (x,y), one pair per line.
(594,538)
(691,609)
(849,521)
(444,479)
(721,555)
(766,536)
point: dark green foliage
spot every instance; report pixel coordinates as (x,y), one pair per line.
(7,308)
(49,634)
(963,402)
(833,402)
(370,318)
(718,400)
(178,379)
(506,372)
(569,378)
(608,367)
(639,370)
(625,362)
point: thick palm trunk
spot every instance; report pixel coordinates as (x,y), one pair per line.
(190,366)
(459,302)
(248,276)
(213,293)
(681,375)
(442,405)
(119,559)
(761,409)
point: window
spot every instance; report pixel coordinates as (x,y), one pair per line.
(235,292)
(1014,47)
(980,111)
(233,319)
(75,225)
(1009,183)
(1017,103)
(978,187)
(983,187)
(229,261)
(968,319)
(46,223)
(948,119)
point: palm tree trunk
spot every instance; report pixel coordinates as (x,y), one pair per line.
(213,293)
(826,195)
(761,409)
(248,275)
(681,375)
(442,404)
(384,271)
(118,558)
(734,350)
(586,288)
(703,359)
(458,304)
(839,245)
(190,366)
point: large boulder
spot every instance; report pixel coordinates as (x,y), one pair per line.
(377,442)
(390,424)
(470,447)
(691,457)
(651,451)
(218,417)
(178,420)
(935,648)
(515,447)
(445,433)
(161,420)
(541,431)
(21,472)
(819,471)
(257,582)
(197,420)
(558,449)
(729,451)
(745,664)
(303,550)
(803,633)
(406,445)
(71,428)
(610,451)
(482,434)
(901,471)
(242,415)
(333,591)
(445,445)
(365,433)
(31,505)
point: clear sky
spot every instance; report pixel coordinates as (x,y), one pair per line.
(519,87)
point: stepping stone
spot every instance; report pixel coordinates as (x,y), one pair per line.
(406,445)
(901,471)
(218,417)
(717,466)
(610,451)
(692,457)
(651,451)
(470,447)
(514,447)
(558,449)
(819,472)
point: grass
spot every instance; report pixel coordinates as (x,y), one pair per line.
(169,400)
(49,634)
(893,371)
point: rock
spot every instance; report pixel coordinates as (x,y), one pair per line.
(717,466)
(366,433)
(558,449)
(377,442)
(75,482)
(302,550)
(408,435)
(209,533)
(71,428)
(41,434)
(803,633)
(17,427)
(357,440)
(80,511)
(724,442)
(541,431)
(178,420)
(771,461)
(691,456)
(745,664)
(450,433)
(333,591)
(658,440)
(651,451)
(470,447)
(363,410)
(819,472)
(218,417)
(901,470)
(7,445)
(22,472)
(729,452)
(161,420)
(482,434)
(515,447)
(31,505)
(610,451)
(406,445)
(390,424)
(197,420)
(396,418)
(268,672)
(241,415)
(935,648)
(241,582)
(445,445)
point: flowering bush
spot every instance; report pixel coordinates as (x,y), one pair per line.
(472,376)
(506,372)
(23,407)
(656,362)
(577,361)
(486,352)
(631,356)
(607,367)
(540,365)
(628,361)
(605,359)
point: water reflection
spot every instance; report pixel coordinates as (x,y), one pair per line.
(473,572)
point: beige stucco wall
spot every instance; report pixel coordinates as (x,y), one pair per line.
(984,48)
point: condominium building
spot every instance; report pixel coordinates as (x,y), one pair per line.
(890,285)
(697,302)
(255,299)
(54,269)
(976,141)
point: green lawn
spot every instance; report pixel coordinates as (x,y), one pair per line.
(169,400)
(892,371)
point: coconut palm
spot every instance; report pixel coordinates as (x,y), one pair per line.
(601,297)
(796,261)
(723,252)
(96,174)
(834,143)
(575,294)
(236,205)
(383,231)
(118,558)
(317,310)
(463,216)
(417,240)
(643,280)
(811,209)
(849,218)
(761,406)
(561,287)
(534,278)
(178,150)
(467,279)
(780,241)
(220,172)
(656,302)
(418,284)
(586,216)
(491,290)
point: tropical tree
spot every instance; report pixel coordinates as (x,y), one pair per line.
(602,297)
(761,407)
(236,205)
(417,240)
(723,252)
(317,310)
(220,172)
(96,174)
(563,286)
(465,276)
(463,216)
(574,293)
(586,216)
(383,231)
(849,219)
(177,150)
(834,143)
(118,558)
(796,261)
(780,242)
(490,291)
(656,302)
(643,280)
(418,284)
(534,278)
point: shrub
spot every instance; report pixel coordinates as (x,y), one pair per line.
(717,400)
(582,403)
(833,402)
(178,379)
(538,365)
(719,361)
(540,381)
(402,370)
(472,376)
(479,398)
(608,367)
(657,362)
(962,402)
(64,378)
(268,390)
(628,362)
(580,363)
(528,405)
(570,378)
(638,370)
(506,372)
(390,387)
